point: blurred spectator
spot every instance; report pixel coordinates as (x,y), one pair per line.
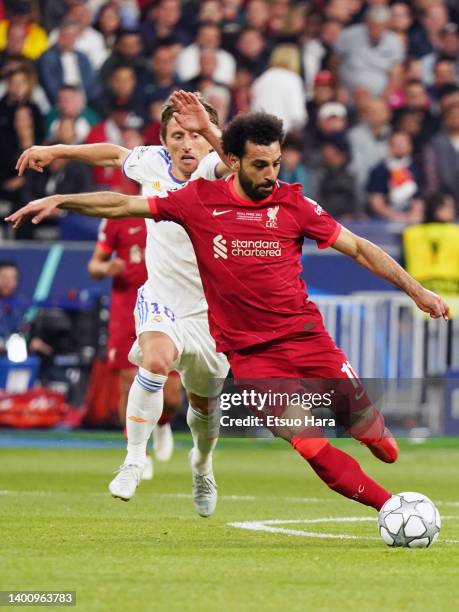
(324,90)
(127,51)
(444,75)
(38,95)
(152,129)
(14,44)
(292,168)
(61,176)
(89,41)
(368,140)
(442,156)
(332,182)
(19,16)
(279,90)
(111,130)
(207,68)
(21,126)
(426,36)
(416,98)
(318,53)
(123,91)
(162,78)
(108,23)
(431,249)
(128,10)
(251,49)
(70,109)
(210,10)
(208,36)
(10,312)
(370,53)
(401,21)
(331,119)
(394,185)
(161,19)
(63,64)
(220,98)
(449,48)
(257,15)
(241,92)
(449,95)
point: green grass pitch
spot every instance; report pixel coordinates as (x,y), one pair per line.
(61,530)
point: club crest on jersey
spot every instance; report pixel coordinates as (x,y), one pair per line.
(272,216)
(156,185)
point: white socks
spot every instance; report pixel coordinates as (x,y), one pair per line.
(144,408)
(204,429)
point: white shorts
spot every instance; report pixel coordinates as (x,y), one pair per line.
(201,368)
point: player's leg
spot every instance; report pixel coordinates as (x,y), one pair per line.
(144,407)
(337,469)
(203,371)
(163,440)
(127,376)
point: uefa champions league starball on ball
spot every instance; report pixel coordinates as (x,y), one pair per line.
(410,520)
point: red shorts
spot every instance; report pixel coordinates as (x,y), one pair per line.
(301,355)
(121,335)
(293,361)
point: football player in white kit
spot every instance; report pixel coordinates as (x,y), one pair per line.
(171,311)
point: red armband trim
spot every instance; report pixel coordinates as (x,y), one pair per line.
(153,205)
(104,247)
(332,238)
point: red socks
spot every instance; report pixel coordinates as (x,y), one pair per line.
(341,472)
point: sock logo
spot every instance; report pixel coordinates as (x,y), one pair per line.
(137,419)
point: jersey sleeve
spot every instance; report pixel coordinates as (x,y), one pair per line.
(176,205)
(316,223)
(207,167)
(137,165)
(107,236)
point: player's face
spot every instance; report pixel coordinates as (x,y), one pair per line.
(259,169)
(186,149)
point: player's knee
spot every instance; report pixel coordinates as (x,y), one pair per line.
(157,364)
(198,403)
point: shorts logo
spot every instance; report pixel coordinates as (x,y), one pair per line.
(220,249)
(272,216)
(318,209)
(156,185)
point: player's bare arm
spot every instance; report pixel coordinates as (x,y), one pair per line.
(101,204)
(102,264)
(376,260)
(98,154)
(193,117)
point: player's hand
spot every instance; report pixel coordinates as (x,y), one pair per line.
(115,266)
(38,210)
(191,115)
(433,304)
(35,158)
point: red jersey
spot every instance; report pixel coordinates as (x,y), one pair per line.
(126,238)
(249,257)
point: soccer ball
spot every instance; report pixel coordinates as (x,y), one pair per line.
(410,520)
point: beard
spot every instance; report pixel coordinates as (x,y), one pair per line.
(255,192)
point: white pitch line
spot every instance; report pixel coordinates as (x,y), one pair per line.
(268,526)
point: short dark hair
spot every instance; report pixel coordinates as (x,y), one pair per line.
(9,264)
(259,128)
(433,203)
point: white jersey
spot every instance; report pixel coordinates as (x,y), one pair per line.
(173,275)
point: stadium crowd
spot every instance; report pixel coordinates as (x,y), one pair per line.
(368,91)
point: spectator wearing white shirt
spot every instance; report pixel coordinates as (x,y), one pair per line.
(280,89)
(208,36)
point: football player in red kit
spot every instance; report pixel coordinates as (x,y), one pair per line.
(247,232)
(120,253)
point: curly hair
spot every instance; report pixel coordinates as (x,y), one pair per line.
(259,128)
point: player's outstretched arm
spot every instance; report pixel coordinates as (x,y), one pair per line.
(101,204)
(98,154)
(376,260)
(192,116)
